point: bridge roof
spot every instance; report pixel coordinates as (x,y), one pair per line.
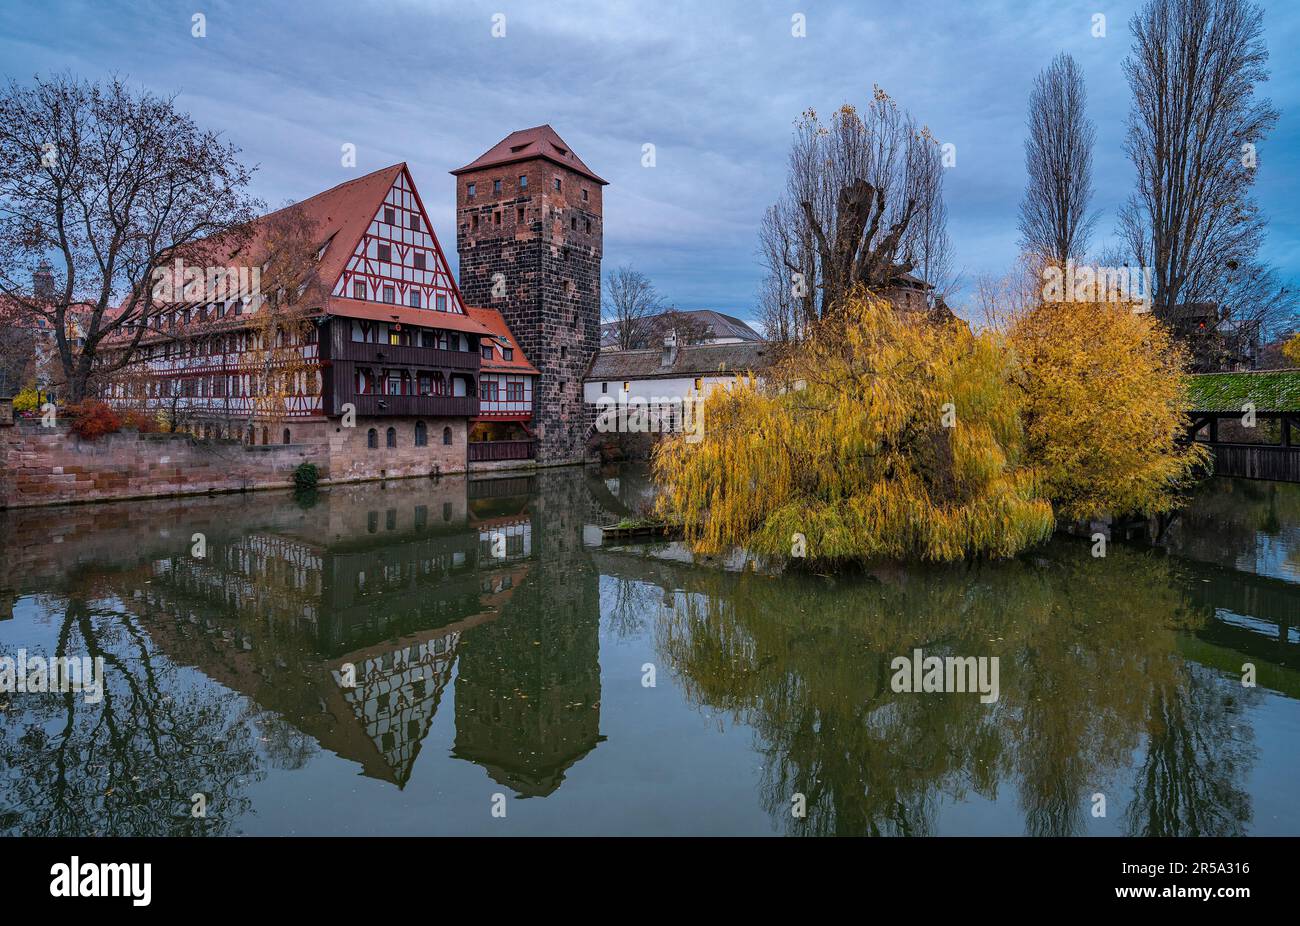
(1267,390)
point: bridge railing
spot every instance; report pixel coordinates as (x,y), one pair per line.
(1257,461)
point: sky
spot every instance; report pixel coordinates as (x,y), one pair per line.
(715,87)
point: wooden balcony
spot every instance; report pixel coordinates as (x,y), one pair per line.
(492,450)
(427,406)
(398,356)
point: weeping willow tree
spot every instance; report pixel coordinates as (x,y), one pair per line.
(1105,409)
(879,437)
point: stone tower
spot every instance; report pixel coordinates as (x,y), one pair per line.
(528,233)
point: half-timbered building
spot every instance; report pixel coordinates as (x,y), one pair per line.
(391,374)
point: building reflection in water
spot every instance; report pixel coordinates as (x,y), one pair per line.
(389,585)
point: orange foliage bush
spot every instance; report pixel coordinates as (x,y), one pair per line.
(141,421)
(92,418)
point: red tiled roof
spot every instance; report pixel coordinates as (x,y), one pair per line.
(383,312)
(541,141)
(339,216)
(491,320)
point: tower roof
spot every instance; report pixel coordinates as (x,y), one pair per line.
(530,144)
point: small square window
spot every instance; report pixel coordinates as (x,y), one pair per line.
(358,289)
(573,223)
(487,351)
(442,303)
(589,226)
(557,183)
(523,181)
(584,196)
(496,218)
(415,222)
(564,352)
(388,216)
(519,215)
(419,260)
(469,190)
(414,299)
(473,220)
(390,295)
(699,384)
(508,353)
(496,186)
(386,252)
(604,387)
(627,387)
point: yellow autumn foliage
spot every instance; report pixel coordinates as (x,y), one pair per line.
(1291,349)
(1105,408)
(881,437)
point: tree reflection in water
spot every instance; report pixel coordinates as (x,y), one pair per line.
(129,764)
(1090,682)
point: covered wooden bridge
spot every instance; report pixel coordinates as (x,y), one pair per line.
(1250,421)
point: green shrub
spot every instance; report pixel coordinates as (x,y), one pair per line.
(306,476)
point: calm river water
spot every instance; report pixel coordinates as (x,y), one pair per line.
(505,662)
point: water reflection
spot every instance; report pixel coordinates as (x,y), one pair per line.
(232,671)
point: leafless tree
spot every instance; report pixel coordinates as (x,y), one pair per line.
(630,300)
(1192,136)
(862,205)
(286,245)
(687,329)
(1055,221)
(108,184)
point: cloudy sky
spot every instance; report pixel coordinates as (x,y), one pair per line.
(715,86)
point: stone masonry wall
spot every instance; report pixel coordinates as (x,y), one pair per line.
(548,290)
(46,466)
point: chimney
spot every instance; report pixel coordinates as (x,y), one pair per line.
(43,282)
(670,350)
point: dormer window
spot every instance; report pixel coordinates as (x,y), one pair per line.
(487,351)
(507,353)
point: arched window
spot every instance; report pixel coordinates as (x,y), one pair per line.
(392,437)
(286,435)
(372,439)
(446,436)
(421,434)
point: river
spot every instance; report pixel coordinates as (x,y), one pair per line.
(464,657)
